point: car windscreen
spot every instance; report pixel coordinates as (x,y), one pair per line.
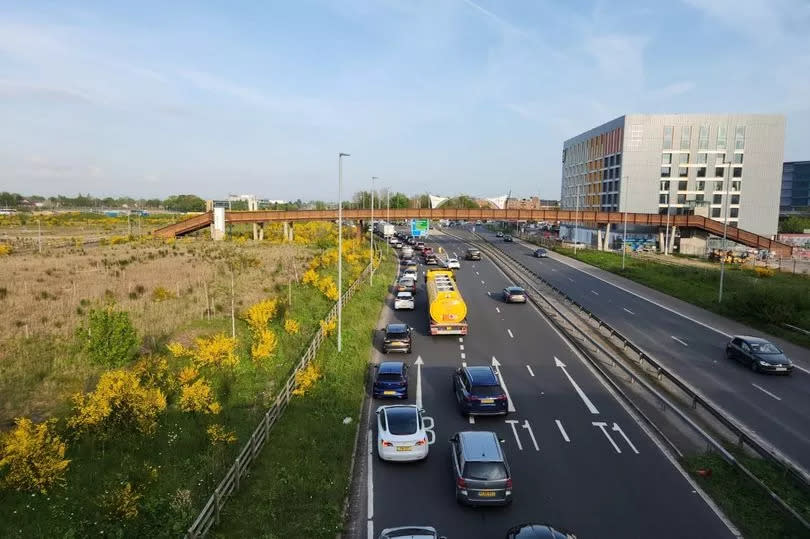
(485,471)
(764,348)
(401,421)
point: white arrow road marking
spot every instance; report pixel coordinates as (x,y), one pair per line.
(529,428)
(419,364)
(594,292)
(562,430)
(513,422)
(602,425)
(530,369)
(509,331)
(766,392)
(617,428)
(676,339)
(582,395)
(629,311)
(496,367)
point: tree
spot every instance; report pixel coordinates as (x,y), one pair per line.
(460,202)
(794,225)
(399,200)
(185,203)
(108,338)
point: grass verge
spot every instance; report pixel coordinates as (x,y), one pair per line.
(764,303)
(298,484)
(752,511)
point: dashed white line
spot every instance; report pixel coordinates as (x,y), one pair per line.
(482,282)
(463,363)
(477,273)
(497,309)
(472,420)
(562,430)
(570,279)
(628,310)
(766,392)
(509,331)
(676,339)
(461,339)
(552,269)
(529,367)
(461,347)
(594,292)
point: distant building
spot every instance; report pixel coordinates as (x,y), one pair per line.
(516,203)
(795,195)
(680,163)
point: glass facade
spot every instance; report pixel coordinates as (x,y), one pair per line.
(795,195)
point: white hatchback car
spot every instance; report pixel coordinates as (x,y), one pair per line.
(410,274)
(404,300)
(452,263)
(401,433)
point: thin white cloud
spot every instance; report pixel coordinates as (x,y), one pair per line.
(673,90)
(501,22)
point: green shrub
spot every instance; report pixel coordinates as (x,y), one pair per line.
(108,337)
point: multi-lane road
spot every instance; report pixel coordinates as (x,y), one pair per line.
(692,345)
(579,460)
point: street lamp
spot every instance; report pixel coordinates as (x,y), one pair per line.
(388,205)
(371,232)
(576,222)
(340,249)
(725,229)
(666,236)
(625,187)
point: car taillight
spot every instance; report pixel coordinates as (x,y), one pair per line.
(500,398)
(509,483)
(387,444)
(461,483)
(423,441)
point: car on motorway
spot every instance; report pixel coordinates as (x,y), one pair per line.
(427,251)
(406,252)
(411,241)
(453,263)
(397,244)
(481,472)
(404,300)
(537,531)
(401,433)
(540,253)
(411,266)
(410,273)
(431,260)
(499,234)
(391,380)
(478,391)
(397,338)
(420,245)
(514,294)
(508,239)
(473,254)
(760,355)
(406,284)
(411,532)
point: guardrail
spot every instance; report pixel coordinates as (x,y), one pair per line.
(696,399)
(209,516)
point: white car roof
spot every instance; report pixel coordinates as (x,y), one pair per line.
(404,295)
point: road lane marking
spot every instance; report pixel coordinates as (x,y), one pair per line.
(370,529)
(602,425)
(562,431)
(477,273)
(489,293)
(419,364)
(509,331)
(552,269)
(766,391)
(472,420)
(531,433)
(530,369)
(512,423)
(617,428)
(461,339)
(496,367)
(579,391)
(629,311)
(594,292)
(464,356)
(497,309)
(482,282)
(676,339)
(370,491)
(570,279)
(461,347)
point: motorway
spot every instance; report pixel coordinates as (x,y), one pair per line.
(776,408)
(579,460)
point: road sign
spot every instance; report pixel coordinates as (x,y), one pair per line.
(419,227)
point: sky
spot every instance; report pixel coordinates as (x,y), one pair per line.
(150,99)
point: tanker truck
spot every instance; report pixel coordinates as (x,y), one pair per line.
(446,307)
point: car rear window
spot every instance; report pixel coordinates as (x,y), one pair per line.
(396,334)
(401,421)
(389,377)
(485,471)
(486,391)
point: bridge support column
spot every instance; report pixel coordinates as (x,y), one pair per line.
(218,226)
(599,239)
(661,241)
(672,232)
(290,231)
(258,231)
(285,234)
(606,239)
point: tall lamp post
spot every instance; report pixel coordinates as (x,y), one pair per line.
(666,236)
(371,232)
(388,205)
(576,222)
(625,187)
(340,250)
(725,229)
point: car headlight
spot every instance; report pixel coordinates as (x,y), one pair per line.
(764,363)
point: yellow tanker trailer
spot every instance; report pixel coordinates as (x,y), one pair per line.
(446,307)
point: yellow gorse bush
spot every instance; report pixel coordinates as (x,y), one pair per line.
(5,249)
(328,287)
(122,502)
(218,435)
(118,402)
(328,328)
(153,371)
(763,272)
(264,344)
(32,456)
(215,351)
(187,375)
(178,350)
(291,326)
(310,277)
(306,378)
(198,397)
(260,314)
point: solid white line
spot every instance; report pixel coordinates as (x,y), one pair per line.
(509,331)
(530,369)
(674,338)
(497,367)
(562,430)
(594,292)
(461,347)
(370,529)
(628,310)
(497,309)
(801,368)
(617,428)
(601,425)
(578,389)
(531,434)
(472,420)
(766,391)
(370,496)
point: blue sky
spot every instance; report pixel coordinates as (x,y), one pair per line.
(446,96)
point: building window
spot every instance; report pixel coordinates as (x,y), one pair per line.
(699,198)
(735,199)
(681,199)
(612,160)
(718,186)
(715,213)
(683,172)
(668,137)
(665,172)
(737,172)
(701,172)
(717,199)
(734,212)
(721,137)
(739,138)
(703,139)
(618,159)
(738,158)
(701,186)
(666,158)
(662,199)
(702,158)
(664,185)
(682,185)
(718,172)
(686,137)
(735,185)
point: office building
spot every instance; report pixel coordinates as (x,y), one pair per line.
(717,165)
(795,196)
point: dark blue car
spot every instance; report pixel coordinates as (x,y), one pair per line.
(479,392)
(391,380)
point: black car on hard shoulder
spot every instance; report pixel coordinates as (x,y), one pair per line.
(508,239)
(397,338)
(537,531)
(760,355)
(540,253)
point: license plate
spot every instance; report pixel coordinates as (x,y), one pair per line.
(404,448)
(487,401)
(487,493)
(389,392)
(781,368)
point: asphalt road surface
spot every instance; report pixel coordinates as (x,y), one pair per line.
(579,461)
(777,408)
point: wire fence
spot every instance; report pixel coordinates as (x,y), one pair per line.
(210,514)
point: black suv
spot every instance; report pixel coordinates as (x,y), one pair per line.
(397,338)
